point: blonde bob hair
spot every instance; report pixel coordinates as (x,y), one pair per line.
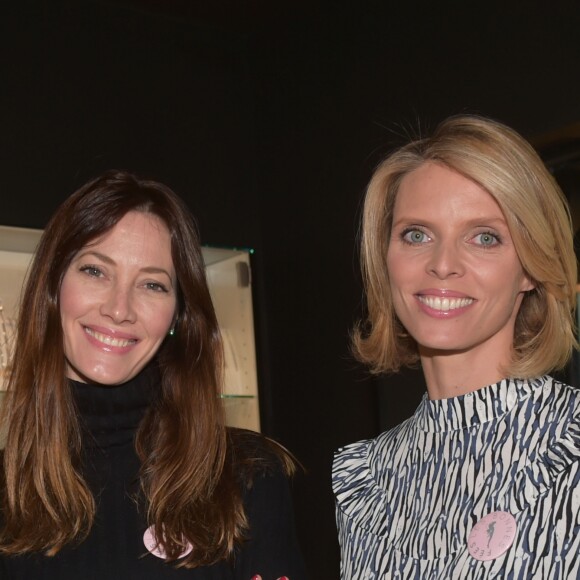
(499,160)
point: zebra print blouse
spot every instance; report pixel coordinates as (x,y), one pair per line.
(408,500)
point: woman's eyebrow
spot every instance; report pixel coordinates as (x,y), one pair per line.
(108,260)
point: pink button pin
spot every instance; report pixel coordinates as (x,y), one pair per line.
(150,541)
(492,536)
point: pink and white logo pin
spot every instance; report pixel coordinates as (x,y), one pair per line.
(492,536)
(150,541)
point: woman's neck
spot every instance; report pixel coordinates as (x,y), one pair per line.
(112,414)
(449,375)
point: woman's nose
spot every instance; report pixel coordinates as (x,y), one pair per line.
(445,261)
(118,305)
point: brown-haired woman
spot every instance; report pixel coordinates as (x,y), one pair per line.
(469,268)
(118,463)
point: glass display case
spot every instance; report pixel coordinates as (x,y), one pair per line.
(230,282)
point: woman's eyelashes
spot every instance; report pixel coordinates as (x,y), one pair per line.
(156,287)
(487,239)
(96,272)
(414,236)
(91,270)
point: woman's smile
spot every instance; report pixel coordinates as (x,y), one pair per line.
(444,304)
(109,338)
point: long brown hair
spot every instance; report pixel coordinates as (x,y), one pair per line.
(46,503)
(504,164)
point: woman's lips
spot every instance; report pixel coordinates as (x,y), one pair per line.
(108,340)
(444,304)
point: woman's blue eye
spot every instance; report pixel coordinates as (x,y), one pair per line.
(156,287)
(487,239)
(415,236)
(91,271)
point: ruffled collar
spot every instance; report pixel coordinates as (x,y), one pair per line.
(110,415)
(480,406)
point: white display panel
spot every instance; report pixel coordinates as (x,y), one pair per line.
(229,278)
(230,285)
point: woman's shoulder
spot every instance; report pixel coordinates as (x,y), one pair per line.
(359,470)
(362,451)
(262,467)
(562,392)
(253,455)
(560,417)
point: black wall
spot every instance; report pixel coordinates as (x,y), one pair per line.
(270,127)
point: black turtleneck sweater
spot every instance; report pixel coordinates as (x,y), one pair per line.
(114,549)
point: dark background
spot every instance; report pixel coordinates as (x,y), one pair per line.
(268,118)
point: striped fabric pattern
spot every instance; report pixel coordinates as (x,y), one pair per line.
(407,500)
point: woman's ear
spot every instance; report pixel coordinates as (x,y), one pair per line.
(528,283)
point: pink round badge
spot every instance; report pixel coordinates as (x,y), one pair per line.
(492,536)
(150,541)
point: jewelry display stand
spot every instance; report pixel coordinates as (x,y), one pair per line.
(230,283)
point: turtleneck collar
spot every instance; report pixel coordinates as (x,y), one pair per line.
(475,408)
(111,414)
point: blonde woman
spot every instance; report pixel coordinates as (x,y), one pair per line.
(469,269)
